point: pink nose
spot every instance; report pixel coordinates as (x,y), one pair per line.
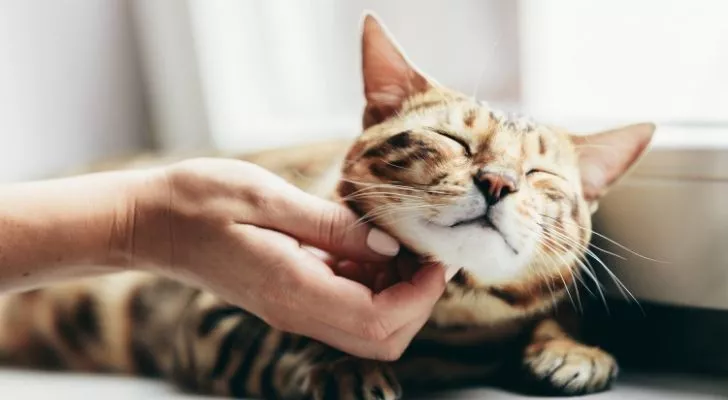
(495,185)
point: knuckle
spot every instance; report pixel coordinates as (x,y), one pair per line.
(328,225)
(297,281)
(259,197)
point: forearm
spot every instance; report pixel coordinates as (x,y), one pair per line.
(65,228)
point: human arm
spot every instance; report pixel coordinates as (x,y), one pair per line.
(228,226)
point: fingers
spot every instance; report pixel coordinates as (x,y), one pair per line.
(323,224)
(304,296)
(355,309)
(337,229)
(388,349)
(264,199)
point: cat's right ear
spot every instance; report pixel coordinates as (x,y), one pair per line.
(389,79)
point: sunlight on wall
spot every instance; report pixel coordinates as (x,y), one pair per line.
(626,60)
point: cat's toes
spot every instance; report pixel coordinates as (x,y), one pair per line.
(566,367)
(353,378)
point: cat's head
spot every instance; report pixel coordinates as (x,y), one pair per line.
(506,200)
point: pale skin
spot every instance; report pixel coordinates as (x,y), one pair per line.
(227,226)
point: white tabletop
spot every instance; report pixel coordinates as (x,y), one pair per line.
(20,385)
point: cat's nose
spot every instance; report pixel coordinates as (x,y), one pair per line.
(495,185)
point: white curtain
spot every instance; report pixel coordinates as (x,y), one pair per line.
(277,72)
(246,74)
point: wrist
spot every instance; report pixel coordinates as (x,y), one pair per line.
(140,228)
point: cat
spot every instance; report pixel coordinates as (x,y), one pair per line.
(505,200)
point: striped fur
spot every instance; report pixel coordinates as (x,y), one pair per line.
(506,200)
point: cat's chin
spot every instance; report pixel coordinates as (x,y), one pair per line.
(477,248)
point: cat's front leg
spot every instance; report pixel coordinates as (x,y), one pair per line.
(555,363)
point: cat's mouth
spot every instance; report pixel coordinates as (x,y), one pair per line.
(486,222)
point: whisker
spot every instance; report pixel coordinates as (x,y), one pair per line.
(546,257)
(385,209)
(424,189)
(553,295)
(623,247)
(585,269)
(563,280)
(382,195)
(624,291)
(573,277)
(560,239)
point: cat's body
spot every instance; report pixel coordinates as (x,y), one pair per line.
(505,200)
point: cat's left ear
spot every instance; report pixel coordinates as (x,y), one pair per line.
(607,156)
(389,79)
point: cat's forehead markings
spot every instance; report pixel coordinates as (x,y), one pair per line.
(513,121)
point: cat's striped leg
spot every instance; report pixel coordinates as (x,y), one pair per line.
(223,350)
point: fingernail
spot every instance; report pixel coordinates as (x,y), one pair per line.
(382,243)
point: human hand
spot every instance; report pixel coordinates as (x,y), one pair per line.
(237,230)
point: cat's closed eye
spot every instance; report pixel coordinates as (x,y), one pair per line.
(534,171)
(459,140)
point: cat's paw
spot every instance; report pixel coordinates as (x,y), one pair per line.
(352,378)
(566,367)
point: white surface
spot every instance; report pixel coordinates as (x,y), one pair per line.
(31,386)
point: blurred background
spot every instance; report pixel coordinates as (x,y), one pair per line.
(83,81)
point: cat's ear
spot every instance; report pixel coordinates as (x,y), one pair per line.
(389,79)
(607,156)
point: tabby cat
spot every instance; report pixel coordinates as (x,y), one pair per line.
(505,200)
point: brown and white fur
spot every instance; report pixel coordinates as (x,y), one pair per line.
(504,200)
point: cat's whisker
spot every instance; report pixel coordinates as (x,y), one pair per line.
(385,191)
(563,280)
(581,247)
(624,291)
(556,239)
(384,209)
(584,268)
(614,242)
(573,276)
(381,195)
(563,234)
(621,287)
(549,282)
(554,265)
(373,186)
